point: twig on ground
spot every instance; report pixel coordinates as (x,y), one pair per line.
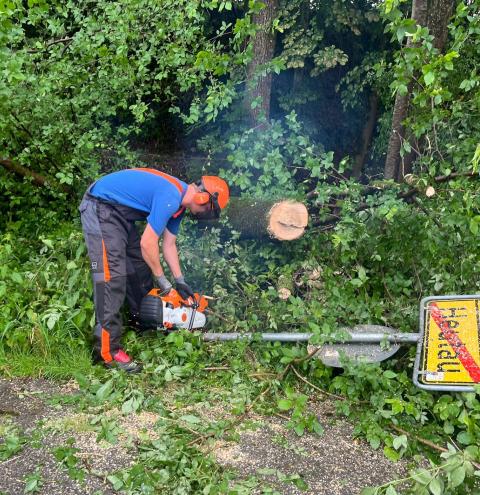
(214,313)
(426,442)
(9,460)
(282,416)
(310,355)
(329,394)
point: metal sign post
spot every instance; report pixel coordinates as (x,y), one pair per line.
(448,343)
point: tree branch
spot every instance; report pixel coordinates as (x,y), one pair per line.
(67,40)
(37,179)
(18,169)
(331,219)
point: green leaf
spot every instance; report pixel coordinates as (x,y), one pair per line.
(374,442)
(190,418)
(429,77)
(435,487)
(391,454)
(299,429)
(285,404)
(474,225)
(400,441)
(104,391)
(318,428)
(389,374)
(390,490)
(267,471)
(369,491)
(116,482)
(127,406)
(48,243)
(465,438)
(422,476)
(457,476)
(476,159)
(16,277)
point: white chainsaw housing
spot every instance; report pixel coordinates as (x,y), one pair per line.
(180,317)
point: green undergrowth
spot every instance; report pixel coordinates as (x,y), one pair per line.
(374,267)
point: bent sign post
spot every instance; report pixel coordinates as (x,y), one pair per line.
(448,343)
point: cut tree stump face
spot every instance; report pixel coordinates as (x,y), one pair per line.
(287,220)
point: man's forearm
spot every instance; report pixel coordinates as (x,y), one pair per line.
(151,255)
(170,255)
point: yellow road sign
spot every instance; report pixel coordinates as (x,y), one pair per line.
(451,346)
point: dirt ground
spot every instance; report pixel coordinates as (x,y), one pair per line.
(334,463)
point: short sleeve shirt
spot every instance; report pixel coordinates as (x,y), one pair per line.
(148,190)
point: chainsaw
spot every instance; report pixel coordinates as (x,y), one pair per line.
(171,312)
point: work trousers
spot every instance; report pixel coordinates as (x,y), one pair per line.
(117,267)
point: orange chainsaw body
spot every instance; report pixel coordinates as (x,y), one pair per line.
(171,311)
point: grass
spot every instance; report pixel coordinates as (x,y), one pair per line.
(62,364)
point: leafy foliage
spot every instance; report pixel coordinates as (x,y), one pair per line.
(104,73)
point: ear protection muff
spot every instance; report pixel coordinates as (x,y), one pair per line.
(201,198)
(212,191)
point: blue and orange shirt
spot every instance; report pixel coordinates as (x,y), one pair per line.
(157,194)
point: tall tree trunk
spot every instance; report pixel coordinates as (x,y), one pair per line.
(439,13)
(366,136)
(435,14)
(263,52)
(397,133)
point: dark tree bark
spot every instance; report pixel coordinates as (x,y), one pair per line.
(366,136)
(263,52)
(283,220)
(434,14)
(36,178)
(439,13)
(22,171)
(397,134)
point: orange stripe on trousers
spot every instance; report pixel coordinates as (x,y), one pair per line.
(106,268)
(105,351)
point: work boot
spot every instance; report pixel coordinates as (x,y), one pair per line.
(121,360)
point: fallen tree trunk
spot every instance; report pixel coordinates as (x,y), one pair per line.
(283,220)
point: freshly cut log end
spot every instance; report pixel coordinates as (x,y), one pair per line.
(287,220)
(281,219)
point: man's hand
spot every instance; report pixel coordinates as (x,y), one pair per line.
(183,288)
(163,284)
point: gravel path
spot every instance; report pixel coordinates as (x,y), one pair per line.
(332,464)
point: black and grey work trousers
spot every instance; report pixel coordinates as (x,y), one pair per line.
(117,266)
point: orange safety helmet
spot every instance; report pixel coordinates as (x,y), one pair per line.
(213,190)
